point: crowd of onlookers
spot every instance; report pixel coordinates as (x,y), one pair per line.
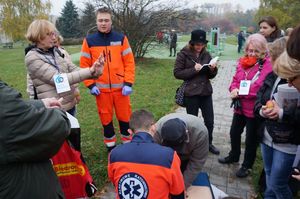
(157,159)
(254,90)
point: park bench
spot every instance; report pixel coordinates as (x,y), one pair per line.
(8,45)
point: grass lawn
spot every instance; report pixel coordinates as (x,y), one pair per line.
(153,90)
(231,39)
(73,49)
(12,68)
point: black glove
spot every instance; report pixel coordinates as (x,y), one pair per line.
(236,104)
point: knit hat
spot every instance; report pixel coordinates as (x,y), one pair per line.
(198,36)
(286,67)
(173,132)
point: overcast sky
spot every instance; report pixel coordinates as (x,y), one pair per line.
(57,5)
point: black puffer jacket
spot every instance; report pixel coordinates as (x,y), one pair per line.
(290,117)
(198,81)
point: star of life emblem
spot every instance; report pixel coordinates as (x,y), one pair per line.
(132,186)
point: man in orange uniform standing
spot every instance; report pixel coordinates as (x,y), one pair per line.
(113,88)
(143,169)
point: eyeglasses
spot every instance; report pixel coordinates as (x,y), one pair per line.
(51,34)
(252,51)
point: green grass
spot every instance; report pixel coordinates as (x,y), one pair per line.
(184,38)
(153,90)
(231,39)
(72,49)
(12,68)
(230,53)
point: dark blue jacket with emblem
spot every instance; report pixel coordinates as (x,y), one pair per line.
(145,168)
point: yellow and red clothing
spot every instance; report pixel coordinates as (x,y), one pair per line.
(150,171)
(119,70)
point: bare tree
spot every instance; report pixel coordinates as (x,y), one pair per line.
(140,20)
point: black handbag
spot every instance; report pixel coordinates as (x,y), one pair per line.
(179,96)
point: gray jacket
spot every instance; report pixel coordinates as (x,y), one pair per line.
(30,134)
(194,149)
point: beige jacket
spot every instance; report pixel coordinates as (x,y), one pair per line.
(41,69)
(194,149)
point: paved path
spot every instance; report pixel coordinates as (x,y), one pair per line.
(222,176)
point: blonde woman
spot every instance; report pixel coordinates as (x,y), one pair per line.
(278,150)
(43,62)
(51,74)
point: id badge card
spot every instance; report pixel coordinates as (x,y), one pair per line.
(244,87)
(61,83)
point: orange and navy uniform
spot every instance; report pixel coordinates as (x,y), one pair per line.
(119,70)
(144,169)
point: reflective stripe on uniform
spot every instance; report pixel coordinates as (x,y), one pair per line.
(109,142)
(127,51)
(115,43)
(99,85)
(102,85)
(87,55)
(126,139)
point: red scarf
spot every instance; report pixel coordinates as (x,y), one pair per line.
(248,62)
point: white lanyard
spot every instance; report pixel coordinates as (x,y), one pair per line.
(255,77)
(274,86)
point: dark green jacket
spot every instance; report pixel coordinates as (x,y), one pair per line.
(30,134)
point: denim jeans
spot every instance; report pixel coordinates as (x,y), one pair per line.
(278,167)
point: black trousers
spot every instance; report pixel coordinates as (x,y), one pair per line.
(240,45)
(74,136)
(193,104)
(237,127)
(173,47)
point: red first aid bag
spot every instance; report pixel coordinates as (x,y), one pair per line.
(73,174)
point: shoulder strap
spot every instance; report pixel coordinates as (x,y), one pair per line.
(275,86)
(261,64)
(35,93)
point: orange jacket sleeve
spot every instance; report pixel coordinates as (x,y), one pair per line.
(86,61)
(128,61)
(176,183)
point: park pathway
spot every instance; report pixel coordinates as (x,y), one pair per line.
(222,176)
